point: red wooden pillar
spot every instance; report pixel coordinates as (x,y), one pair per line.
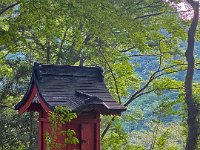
(44,127)
(87,128)
(98,133)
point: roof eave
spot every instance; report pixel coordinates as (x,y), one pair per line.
(20,104)
(104,110)
(33,82)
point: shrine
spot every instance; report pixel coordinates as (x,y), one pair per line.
(82,89)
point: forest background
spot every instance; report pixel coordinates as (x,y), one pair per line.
(141,47)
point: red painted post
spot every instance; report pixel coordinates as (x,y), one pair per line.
(98,133)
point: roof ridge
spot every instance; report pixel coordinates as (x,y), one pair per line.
(62,65)
(75,86)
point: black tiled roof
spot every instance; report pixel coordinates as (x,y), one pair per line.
(80,88)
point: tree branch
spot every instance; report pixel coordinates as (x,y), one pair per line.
(6,106)
(151,5)
(115,81)
(140,55)
(143,93)
(128,49)
(107,128)
(147,16)
(6,8)
(61,46)
(140,91)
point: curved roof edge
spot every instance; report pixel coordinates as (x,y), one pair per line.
(25,99)
(92,94)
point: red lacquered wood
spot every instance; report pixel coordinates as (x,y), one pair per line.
(88,136)
(97,129)
(29,101)
(86,126)
(77,129)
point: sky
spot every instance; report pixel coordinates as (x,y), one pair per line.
(184,9)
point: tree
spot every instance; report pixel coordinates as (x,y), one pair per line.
(192,106)
(111,34)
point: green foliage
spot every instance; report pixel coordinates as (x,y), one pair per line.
(169,136)
(162,140)
(118,138)
(14,130)
(123,72)
(71,139)
(51,142)
(70,32)
(166,108)
(119,142)
(59,117)
(65,114)
(166,83)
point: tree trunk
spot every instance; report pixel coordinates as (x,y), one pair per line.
(48,54)
(189,98)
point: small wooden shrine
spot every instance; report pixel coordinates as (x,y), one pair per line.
(80,88)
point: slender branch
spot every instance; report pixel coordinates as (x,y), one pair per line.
(115,81)
(48,52)
(86,41)
(160,58)
(6,8)
(139,2)
(172,66)
(61,47)
(117,91)
(152,77)
(151,5)
(154,137)
(107,128)
(4,55)
(140,55)
(140,91)
(166,73)
(6,106)
(128,49)
(143,93)
(147,16)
